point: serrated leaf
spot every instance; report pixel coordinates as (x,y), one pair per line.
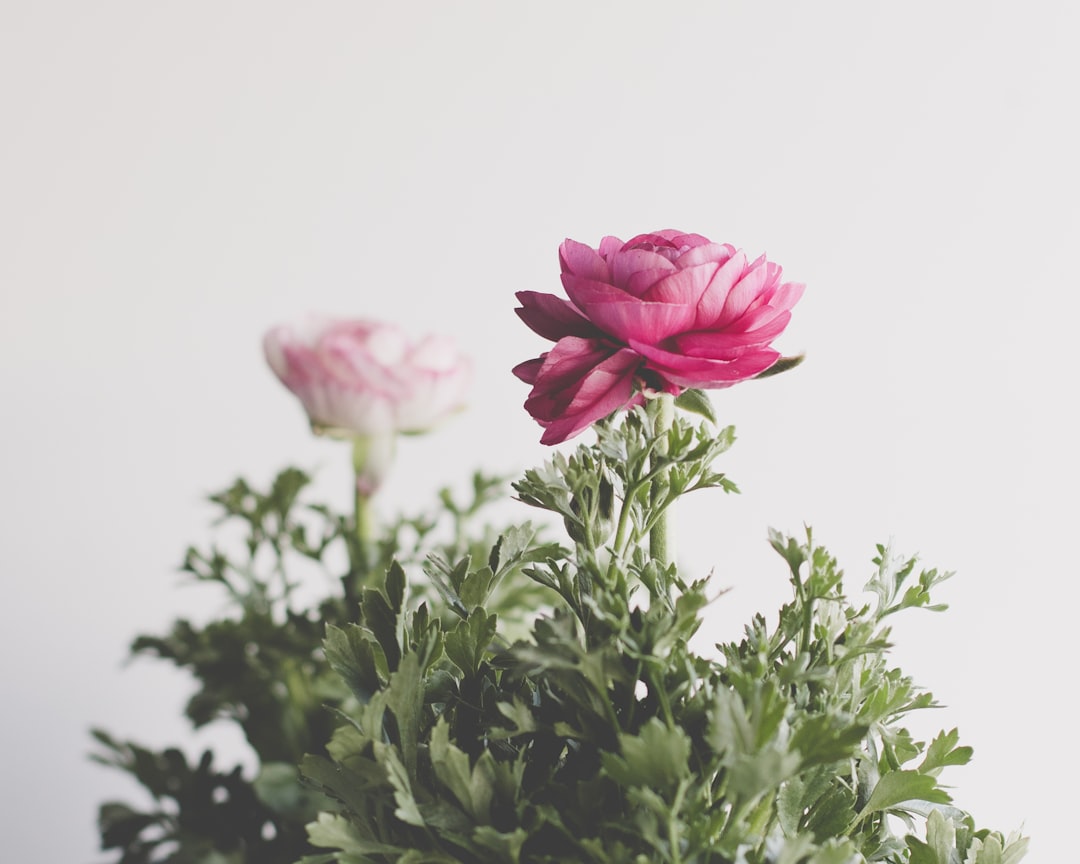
(476,588)
(789,549)
(353,654)
(408,810)
(405,698)
(331,831)
(467,643)
(381,619)
(897,787)
(943,752)
(510,548)
(658,756)
(353,785)
(836,851)
(520,716)
(986,851)
(821,739)
(451,765)
(505,845)
(941,838)
(447,580)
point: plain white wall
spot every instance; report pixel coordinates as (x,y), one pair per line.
(176,177)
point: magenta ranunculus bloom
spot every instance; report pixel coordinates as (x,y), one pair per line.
(663,312)
(366,378)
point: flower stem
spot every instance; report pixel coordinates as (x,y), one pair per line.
(371,457)
(362,524)
(661,547)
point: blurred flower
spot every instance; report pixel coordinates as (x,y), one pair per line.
(365,380)
(662,312)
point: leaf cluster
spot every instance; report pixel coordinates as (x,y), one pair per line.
(600,735)
(261,665)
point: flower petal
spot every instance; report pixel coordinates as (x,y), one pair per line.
(744,292)
(727,344)
(625,263)
(638,320)
(578,392)
(552,317)
(683,286)
(715,296)
(528,370)
(787,295)
(716,252)
(582,291)
(363,378)
(608,247)
(639,283)
(705,372)
(582,260)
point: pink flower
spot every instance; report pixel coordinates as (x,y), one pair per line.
(662,312)
(365,378)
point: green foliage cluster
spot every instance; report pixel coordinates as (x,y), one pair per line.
(467,696)
(600,735)
(261,666)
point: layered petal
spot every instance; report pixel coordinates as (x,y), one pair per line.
(706,372)
(366,378)
(579,382)
(716,293)
(552,317)
(766,325)
(626,264)
(582,260)
(639,320)
(684,286)
(668,308)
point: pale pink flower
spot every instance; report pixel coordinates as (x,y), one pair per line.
(663,312)
(367,380)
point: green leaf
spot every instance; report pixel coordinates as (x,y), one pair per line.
(822,739)
(395,586)
(408,810)
(696,402)
(278,786)
(519,714)
(790,550)
(508,550)
(354,785)
(468,642)
(381,618)
(451,766)
(331,831)
(836,851)
(405,698)
(658,757)
(476,588)
(943,751)
(898,787)
(987,851)
(505,845)
(782,365)
(354,655)
(940,839)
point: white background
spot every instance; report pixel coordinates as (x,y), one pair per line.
(177,177)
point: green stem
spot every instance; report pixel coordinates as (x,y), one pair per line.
(363,526)
(372,456)
(674,835)
(660,542)
(624,522)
